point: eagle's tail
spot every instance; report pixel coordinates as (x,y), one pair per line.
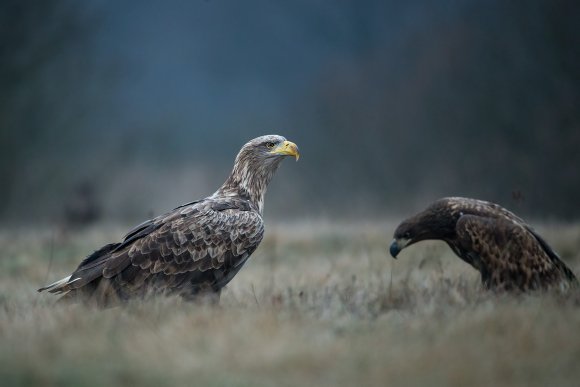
(569,274)
(558,262)
(89,269)
(59,286)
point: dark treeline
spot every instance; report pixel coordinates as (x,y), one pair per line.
(392,104)
(483,101)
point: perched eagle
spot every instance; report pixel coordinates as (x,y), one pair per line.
(507,252)
(194,250)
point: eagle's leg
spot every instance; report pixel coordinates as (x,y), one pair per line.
(486,279)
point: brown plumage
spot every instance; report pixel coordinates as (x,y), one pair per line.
(507,252)
(194,250)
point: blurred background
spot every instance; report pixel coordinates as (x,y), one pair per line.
(122,110)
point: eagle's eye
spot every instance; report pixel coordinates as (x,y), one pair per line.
(270,145)
(407,235)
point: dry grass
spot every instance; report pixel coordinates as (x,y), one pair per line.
(318,304)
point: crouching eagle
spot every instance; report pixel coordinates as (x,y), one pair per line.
(507,252)
(194,250)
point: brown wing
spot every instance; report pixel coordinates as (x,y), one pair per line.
(192,249)
(507,254)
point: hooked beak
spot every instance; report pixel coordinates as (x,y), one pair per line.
(397,245)
(287,148)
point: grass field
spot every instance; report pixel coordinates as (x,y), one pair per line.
(317,305)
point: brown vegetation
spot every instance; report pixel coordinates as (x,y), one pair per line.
(317,304)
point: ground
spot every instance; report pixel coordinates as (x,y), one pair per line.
(318,304)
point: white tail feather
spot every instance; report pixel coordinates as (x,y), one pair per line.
(58,286)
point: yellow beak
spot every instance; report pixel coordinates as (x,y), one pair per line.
(287,148)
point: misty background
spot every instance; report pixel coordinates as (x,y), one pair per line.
(124,110)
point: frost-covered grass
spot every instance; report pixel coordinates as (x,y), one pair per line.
(317,304)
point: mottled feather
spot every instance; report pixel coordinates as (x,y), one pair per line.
(506,251)
(195,249)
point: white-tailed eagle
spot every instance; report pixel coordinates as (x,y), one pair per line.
(507,252)
(194,250)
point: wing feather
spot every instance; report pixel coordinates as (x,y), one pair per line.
(509,255)
(195,241)
(199,246)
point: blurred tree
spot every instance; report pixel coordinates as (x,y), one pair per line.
(478,98)
(423,99)
(44,56)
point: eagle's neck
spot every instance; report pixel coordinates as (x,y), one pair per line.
(249,180)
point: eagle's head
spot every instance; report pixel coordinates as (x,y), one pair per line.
(255,165)
(436,222)
(267,150)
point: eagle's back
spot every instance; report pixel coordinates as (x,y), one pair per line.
(196,248)
(507,251)
(481,208)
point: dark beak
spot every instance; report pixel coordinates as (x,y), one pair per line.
(395,249)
